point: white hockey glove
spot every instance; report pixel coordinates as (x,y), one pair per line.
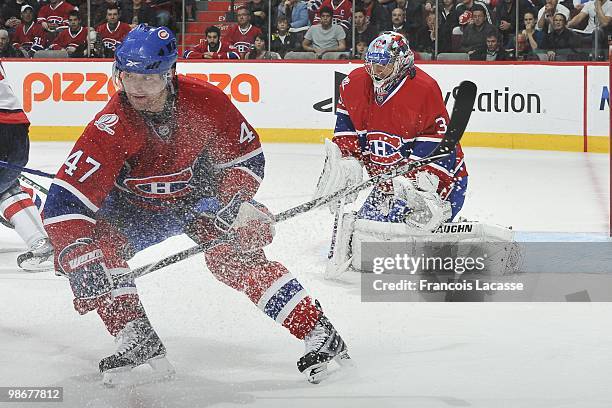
(428,210)
(338,172)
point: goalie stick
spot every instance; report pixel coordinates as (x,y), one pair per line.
(462,110)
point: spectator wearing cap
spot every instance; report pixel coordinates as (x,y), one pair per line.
(325,37)
(29,35)
(6,48)
(475,34)
(11,12)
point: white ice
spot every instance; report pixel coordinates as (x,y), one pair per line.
(227,353)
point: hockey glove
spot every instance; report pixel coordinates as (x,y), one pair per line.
(249,221)
(83,263)
(338,172)
(427,211)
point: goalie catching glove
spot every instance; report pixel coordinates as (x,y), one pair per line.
(338,172)
(427,211)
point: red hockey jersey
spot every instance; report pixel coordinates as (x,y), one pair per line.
(118,151)
(242,40)
(407,126)
(112,38)
(11,111)
(33,37)
(57,15)
(67,39)
(225,51)
(343,13)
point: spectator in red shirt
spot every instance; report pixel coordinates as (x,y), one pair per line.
(55,15)
(242,36)
(212,47)
(74,39)
(29,35)
(112,32)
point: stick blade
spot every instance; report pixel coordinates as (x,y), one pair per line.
(462,110)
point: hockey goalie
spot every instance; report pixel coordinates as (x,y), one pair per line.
(390,113)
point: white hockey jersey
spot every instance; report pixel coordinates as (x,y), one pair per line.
(11,110)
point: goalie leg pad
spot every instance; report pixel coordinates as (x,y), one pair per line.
(503,253)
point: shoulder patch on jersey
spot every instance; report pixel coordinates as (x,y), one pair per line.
(106,122)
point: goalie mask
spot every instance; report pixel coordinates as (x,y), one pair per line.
(388,61)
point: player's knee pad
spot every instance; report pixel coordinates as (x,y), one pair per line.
(461,239)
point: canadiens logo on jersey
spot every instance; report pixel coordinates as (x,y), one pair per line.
(164,187)
(384,148)
(110,43)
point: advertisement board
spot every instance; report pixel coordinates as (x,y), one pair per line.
(518,106)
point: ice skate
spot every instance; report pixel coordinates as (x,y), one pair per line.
(138,345)
(323,345)
(38,258)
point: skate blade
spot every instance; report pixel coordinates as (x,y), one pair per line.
(29,263)
(319,372)
(155,370)
(33,266)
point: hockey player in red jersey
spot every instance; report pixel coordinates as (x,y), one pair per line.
(213,47)
(16,203)
(391,113)
(170,155)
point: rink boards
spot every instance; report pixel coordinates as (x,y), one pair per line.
(525,106)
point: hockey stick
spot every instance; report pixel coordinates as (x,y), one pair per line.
(25,169)
(33,184)
(462,110)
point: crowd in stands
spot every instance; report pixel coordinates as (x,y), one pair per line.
(59,28)
(321,29)
(463,29)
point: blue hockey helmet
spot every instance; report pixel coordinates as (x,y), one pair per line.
(147,50)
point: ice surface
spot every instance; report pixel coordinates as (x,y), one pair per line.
(227,353)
